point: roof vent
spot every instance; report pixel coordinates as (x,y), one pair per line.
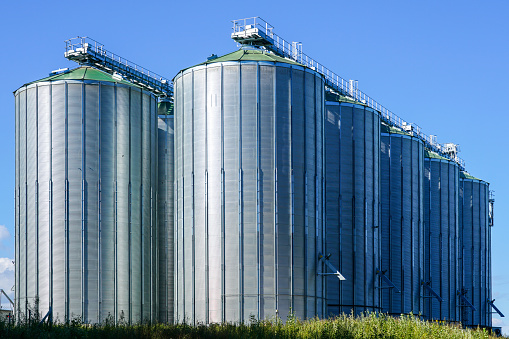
(212,57)
(58,71)
(117,76)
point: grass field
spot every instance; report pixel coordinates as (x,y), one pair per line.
(346,326)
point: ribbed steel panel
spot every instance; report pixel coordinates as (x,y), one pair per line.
(17,233)
(441,190)
(249,179)
(107,268)
(74,146)
(165,205)
(43,196)
(402,207)
(352,161)
(31,199)
(475,251)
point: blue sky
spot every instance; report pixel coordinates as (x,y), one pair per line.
(441,64)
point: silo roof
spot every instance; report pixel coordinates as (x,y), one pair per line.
(385,128)
(432,155)
(329,96)
(83,73)
(249,55)
(466,175)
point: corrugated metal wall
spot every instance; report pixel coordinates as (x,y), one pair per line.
(402,249)
(475,251)
(263,174)
(165,214)
(249,187)
(441,189)
(85,200)
(352,161)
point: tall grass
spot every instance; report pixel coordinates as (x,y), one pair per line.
(345,326)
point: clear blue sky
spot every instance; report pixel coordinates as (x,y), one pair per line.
(441,64)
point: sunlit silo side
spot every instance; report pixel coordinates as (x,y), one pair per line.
(475,253)
(165,214)
(441,191)
(352,162)
(85,198)
(249,186)
(402,194)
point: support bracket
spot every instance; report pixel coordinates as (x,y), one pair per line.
(430,290)
(325,260)
(387,280)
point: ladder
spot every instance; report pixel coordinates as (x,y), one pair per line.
(257,32)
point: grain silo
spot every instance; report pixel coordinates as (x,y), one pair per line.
(86,183)
(352,162)
(402,194)
(441,281)
(249,186)
(475,234)
(165,204)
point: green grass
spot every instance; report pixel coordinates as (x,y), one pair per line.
(346,326)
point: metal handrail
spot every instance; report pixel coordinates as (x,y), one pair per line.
(334,81)
(83,44)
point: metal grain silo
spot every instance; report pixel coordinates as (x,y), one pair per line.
(352,162)
(249,185)
(441,275)
(474,251)
(165,204)
(86,183)
(402,194)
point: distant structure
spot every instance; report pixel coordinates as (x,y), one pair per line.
(258,183)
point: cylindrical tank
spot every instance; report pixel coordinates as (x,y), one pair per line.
(249,186)
(402,206)
(86,183)
(474,250)
(352,162)
(165,204)
(441,220)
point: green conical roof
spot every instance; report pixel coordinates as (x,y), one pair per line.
(248,55)
(385,128)
(330,96)
(83,73)
(433,155)
(466,175)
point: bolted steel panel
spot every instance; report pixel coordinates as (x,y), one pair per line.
(441,189)
(474,249)
(401,227)
(75,203)
(165,217)
(238,125)
(352,164)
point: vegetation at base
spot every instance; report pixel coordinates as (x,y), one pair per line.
(346,326)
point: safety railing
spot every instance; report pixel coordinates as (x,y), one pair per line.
(293,51)
(85,49)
